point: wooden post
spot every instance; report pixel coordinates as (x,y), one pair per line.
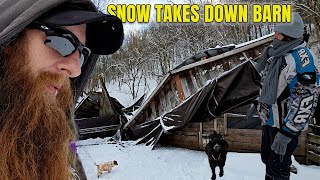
(194,81)
(179,87)
(200,136)
(200,78)
(245,55)
(225,122)
(215,124)
(153,110)
(107,108)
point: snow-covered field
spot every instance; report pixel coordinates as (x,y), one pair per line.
(138,162)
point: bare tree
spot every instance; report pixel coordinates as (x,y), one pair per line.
(310,10)
(150,53)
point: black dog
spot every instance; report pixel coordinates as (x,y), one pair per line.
(216,150)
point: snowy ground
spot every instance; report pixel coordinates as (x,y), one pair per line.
(168,163)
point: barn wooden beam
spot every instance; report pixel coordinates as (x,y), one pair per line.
(200,136)
(219,57)
(179,87)
(106,107)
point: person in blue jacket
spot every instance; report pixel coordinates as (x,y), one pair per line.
(289,96)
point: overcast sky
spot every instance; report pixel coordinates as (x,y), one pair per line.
(134,26)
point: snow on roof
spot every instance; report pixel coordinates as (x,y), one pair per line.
(253,41)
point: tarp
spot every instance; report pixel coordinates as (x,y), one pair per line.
(134,106)
(206,54)
(235,88)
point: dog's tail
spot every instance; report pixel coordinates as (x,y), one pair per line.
(96,164)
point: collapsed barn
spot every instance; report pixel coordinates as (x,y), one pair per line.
(99,115)
(198,97)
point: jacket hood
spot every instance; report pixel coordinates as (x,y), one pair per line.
(15,15)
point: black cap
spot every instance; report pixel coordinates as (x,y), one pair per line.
(104,34)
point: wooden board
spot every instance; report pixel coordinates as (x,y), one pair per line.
(182,141)
(313,148)
(315,129)
(313,157)
(243,132)
(243,147)
(313,138)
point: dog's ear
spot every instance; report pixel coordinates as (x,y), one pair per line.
(208,149)
(214,132)
(115,162)
(211,136)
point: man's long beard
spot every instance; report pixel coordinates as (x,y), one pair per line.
(34,127)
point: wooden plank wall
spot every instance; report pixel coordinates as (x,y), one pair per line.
(313,145)
(195,136)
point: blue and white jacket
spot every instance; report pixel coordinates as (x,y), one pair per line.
(297,94)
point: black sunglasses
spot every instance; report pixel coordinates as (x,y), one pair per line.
(63,41)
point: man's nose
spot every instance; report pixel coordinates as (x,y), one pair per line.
(70,65)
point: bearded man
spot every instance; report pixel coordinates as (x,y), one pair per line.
(44,47)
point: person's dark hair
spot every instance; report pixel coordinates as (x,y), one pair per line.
(287,38)
(306,35)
